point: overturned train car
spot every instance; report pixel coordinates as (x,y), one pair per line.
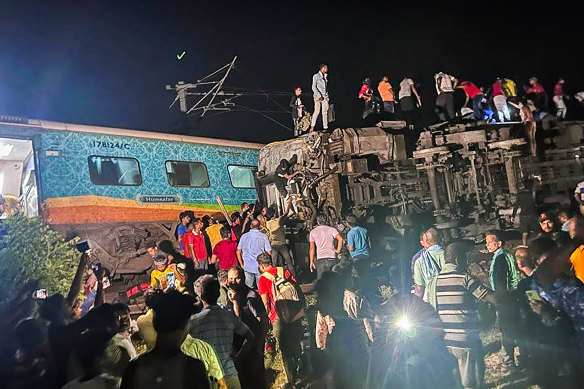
(461,178)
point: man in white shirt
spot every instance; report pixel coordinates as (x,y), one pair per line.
(321,97)
(407,101)
(323,253)
(445,85)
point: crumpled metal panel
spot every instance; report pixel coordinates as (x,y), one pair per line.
(371,141)
(273,153)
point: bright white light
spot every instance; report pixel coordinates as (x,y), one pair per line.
(404,323)
(5,149)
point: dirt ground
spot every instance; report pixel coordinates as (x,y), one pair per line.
(495,378)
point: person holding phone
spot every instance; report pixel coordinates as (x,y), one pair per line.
(163,275)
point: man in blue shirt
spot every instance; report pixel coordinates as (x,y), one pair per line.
(359,246)
(358,242)
(252,244)
(181,230)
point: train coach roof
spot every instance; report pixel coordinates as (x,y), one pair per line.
(49,125)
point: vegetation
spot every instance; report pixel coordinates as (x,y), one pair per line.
(30,250)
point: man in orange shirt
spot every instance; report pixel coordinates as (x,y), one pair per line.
(577,257)
(386,92)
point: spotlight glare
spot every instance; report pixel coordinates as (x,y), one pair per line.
(404,323)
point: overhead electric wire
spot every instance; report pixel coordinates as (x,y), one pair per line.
(266,116)
(260,89)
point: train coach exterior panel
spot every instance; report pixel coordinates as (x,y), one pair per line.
(71,196)
(118,188)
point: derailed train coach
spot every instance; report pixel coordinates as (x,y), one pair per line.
(462,178)
(118,188)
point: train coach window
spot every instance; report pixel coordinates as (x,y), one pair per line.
(114,171)
(242,176)
(182,173)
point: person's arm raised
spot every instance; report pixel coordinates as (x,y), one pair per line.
(339,239)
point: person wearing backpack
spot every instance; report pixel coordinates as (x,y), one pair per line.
(284,303)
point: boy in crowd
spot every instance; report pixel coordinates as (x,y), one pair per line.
(164,275)
(185,219)
(197,247)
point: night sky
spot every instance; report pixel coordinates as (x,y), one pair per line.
(107,62)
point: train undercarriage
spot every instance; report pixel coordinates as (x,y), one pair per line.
(463,176)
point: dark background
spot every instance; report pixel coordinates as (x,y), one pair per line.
(107,62)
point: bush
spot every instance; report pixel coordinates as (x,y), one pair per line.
(30,250)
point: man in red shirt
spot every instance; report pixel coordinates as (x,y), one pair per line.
(225,251)
(474,94)
(536,93)
(196,245)
(288,335)
(185,240)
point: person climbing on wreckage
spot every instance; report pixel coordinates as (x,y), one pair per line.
(280,176)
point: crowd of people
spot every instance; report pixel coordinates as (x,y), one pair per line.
(502,101)
(222,294)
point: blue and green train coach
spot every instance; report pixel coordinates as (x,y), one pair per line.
(117,188)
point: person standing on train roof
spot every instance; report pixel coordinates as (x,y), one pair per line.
(321,97)
(197,246)
(181,230)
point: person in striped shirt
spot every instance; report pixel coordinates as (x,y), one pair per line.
(455,301)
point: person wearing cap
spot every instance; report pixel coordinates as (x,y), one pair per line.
(549,230)
(164,275)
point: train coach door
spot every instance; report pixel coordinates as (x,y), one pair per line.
(18,179)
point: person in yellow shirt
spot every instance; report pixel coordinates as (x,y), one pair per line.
(386,92)
(164,275)
(214,234)
(509,88)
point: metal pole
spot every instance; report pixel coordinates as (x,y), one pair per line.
(510,175)
(219,85)
(474,179)
(433,187)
